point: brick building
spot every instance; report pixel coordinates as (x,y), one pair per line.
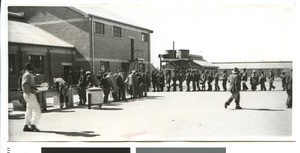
(102,40)
(51,56)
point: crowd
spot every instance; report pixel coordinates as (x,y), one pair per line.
(137,84)
(208,80)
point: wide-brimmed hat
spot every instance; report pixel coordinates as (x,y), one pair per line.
(235,70)
(87,72)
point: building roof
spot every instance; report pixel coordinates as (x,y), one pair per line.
(255,65)
(19,32)
(205,64)
(100,12)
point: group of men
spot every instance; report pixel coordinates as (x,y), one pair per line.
(137,84)
(236,78)
(192,77)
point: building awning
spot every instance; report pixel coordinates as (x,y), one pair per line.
(24,33)
(205,64)
(255,65)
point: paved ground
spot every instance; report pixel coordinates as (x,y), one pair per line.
(167,116)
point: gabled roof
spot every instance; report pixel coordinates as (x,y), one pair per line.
(100,12)
(19,32)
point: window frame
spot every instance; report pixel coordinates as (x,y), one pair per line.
(145,37)
(99,28)
(117,33)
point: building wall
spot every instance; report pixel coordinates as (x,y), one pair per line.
(76,29)
(118,49)
(65,24)
(54,58)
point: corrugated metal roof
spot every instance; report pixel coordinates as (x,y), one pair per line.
(19,32)
(101,12)
(205,63)
(256,65)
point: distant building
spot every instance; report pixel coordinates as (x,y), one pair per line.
(182,60)
(277,66)
(103,40)
(51,56)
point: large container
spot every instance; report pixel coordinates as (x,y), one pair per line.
(171,54)
(183,53)
(96,95)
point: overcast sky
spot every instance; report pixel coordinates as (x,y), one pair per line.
(219,32)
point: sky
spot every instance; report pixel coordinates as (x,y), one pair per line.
(219,32)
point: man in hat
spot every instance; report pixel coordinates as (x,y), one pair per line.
(235,87)
(271,80)
(224,79)
(63,88)
(82,84)
(254,80)
(33,109)
(244,76)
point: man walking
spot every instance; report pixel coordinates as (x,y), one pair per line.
(262,80)
(235,87)
(244,79)
(33,109)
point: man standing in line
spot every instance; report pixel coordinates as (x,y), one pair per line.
(235,87)
(188,78)
(181,79)
(224,79)
(82,85)
(33,109)
(271,80)
(283,80)
(289,89)
(216,79)
(244,79)
(262,80)
(254,80)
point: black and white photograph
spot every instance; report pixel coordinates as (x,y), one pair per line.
(150,72)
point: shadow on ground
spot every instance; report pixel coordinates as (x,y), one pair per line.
(78,134)
(260,109)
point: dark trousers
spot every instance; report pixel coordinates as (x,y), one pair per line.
(121,93)
(174,85)
(198,85)
(82,95)
(180,85)
(253,87)
(236,97)
(106,93)
(224,83)
(209,86)
(203,85)
(194,85)
(271,86)
(188,85)
(217,88)
(289,101)
(154,85)
(263,87)
(244,86)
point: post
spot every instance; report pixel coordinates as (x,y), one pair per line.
(89,100)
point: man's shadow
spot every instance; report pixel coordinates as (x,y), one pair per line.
(260,109)
(76,134)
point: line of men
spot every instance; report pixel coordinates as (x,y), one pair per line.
(236,78)
(207,79)
(192,77)
(136,84)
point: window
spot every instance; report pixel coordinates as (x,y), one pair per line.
(104,66)
(11,65)
(38,63)
(99,28)
(117,31)
(144,37)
